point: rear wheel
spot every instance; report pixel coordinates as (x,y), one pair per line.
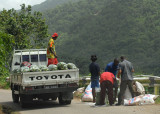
(15,97)
(61,101)
(22,101)
(68,102)
(25,100)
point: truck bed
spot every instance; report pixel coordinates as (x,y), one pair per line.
(45,77)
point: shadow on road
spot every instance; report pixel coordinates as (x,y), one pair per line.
(35,105)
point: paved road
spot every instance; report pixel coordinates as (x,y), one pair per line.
(76,107)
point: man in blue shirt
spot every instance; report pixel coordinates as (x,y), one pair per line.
(95,73)
(113,67)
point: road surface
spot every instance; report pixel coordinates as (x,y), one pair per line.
(77,107)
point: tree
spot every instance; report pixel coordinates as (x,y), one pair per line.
(5,50)
(29,30)
(19,30)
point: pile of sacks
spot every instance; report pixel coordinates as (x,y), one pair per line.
(79,92)
(128,101)
(35,68)
(141,100)
(87,96)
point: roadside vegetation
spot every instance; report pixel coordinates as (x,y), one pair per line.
(157,101)
(7,110)
(19,30)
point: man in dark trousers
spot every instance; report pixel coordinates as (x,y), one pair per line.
(106,81)
(125,70)
(95,73)
(113,68)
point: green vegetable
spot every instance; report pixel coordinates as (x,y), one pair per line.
(52,67)
(62,66)
(24,69)
(34,68)
(43,68)
(71,66)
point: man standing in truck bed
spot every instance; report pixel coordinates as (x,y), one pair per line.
(51,52)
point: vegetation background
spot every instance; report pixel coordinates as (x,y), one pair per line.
(107,28)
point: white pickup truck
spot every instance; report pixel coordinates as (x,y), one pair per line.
(45,85)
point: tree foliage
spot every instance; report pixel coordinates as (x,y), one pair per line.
(5,51)
(19,30)
(108,28)
(28,29)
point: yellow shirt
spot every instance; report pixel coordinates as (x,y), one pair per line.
(52,45)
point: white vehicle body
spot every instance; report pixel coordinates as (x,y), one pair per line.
(42,85)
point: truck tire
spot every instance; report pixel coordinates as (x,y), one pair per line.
(25,100)
(15,97)
(22,101)
(61,101)
(68,102)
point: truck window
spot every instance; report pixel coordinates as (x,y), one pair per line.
(25,58)
(42,57)
(34,58)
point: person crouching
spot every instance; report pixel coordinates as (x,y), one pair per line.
(106,81)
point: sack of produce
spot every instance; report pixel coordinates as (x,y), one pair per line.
(62,66)
(52,67)
(87,97)
(24,69)
(16,71)
(132,101)
(43,68)
(148,99)
(71,66)
(34,68)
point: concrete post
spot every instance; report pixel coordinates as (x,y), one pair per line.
(156,90)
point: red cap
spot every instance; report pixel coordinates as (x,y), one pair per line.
(55,35)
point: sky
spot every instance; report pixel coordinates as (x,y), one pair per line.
(9,4)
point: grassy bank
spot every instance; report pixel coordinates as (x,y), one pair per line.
(1,110)
(4,84)
(157,101)
(7,110)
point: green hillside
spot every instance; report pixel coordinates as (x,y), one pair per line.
(49,4)
(108,28)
